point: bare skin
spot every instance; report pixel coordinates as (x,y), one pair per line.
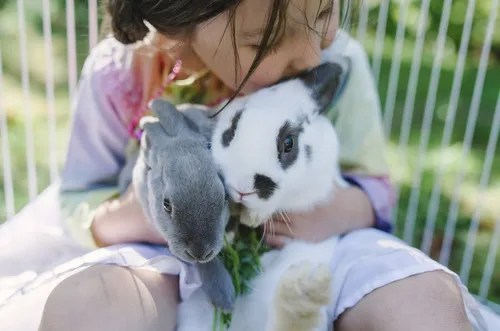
(133,299)
(430,301)
(97,300)
(112,298)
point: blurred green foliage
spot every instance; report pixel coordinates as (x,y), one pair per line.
(403,170)
(458,13)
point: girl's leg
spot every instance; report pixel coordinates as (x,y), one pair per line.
(428,301)
(105,297)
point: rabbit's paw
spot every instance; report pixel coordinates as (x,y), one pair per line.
(304,289)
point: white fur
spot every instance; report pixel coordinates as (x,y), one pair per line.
(291,293)
(294,288)
(253,150)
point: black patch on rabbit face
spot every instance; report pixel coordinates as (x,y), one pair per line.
(288,144)
(228,135)
(326,82)
(308,152)
(264,186)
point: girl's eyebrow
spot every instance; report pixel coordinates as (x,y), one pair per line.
(325,11)
(257,34)
(252,34)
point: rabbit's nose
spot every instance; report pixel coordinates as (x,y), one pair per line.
(200,254)
(243,194)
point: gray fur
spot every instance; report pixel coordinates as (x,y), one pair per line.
(174,163)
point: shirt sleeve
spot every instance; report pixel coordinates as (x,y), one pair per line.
(358,122)
(381,195)
(98,140)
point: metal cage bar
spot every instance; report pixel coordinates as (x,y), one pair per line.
(49,91)
(28,112)
(469,134)
(8,184)
(363,33)
(390,99)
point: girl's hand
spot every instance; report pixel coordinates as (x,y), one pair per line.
(349,209)
(122,220)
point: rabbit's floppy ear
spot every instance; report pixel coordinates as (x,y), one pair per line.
(170,118)
(327,81)
(152,130)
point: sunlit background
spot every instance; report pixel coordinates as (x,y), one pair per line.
(437,66)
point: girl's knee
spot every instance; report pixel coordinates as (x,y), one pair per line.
(445,295)
(427,301)
(438,287)
(103,296)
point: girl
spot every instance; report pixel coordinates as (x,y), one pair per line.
(205,52)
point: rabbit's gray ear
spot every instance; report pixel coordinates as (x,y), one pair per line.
(153,131)
(327,81)
(146,120)
(147,125)
(170,118)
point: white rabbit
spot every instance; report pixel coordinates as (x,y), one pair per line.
(275,150)
(278,153)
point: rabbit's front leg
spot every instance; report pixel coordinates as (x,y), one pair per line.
(302,295)
(217,284)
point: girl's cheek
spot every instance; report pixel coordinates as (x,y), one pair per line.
(261,79)
(268,73)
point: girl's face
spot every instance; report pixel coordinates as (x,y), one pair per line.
(298,49)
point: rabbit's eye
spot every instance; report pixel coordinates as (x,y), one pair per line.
(167,206)
(288,144)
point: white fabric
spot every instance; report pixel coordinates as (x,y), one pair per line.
(492,319)
(367,259)
(35,253)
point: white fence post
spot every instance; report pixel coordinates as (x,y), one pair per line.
(8,185)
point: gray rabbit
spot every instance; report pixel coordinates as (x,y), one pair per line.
(182,192)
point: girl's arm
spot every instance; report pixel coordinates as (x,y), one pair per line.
(122,220)
(380,194)
(348,210)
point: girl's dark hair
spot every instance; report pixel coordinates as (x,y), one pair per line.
(174,18)
(178,19)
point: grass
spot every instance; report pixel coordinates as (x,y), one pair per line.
(403,170)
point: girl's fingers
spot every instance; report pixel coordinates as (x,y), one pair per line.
(279,228)
(282,218)
(276,241)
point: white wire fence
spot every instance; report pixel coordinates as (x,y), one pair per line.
(439,84)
